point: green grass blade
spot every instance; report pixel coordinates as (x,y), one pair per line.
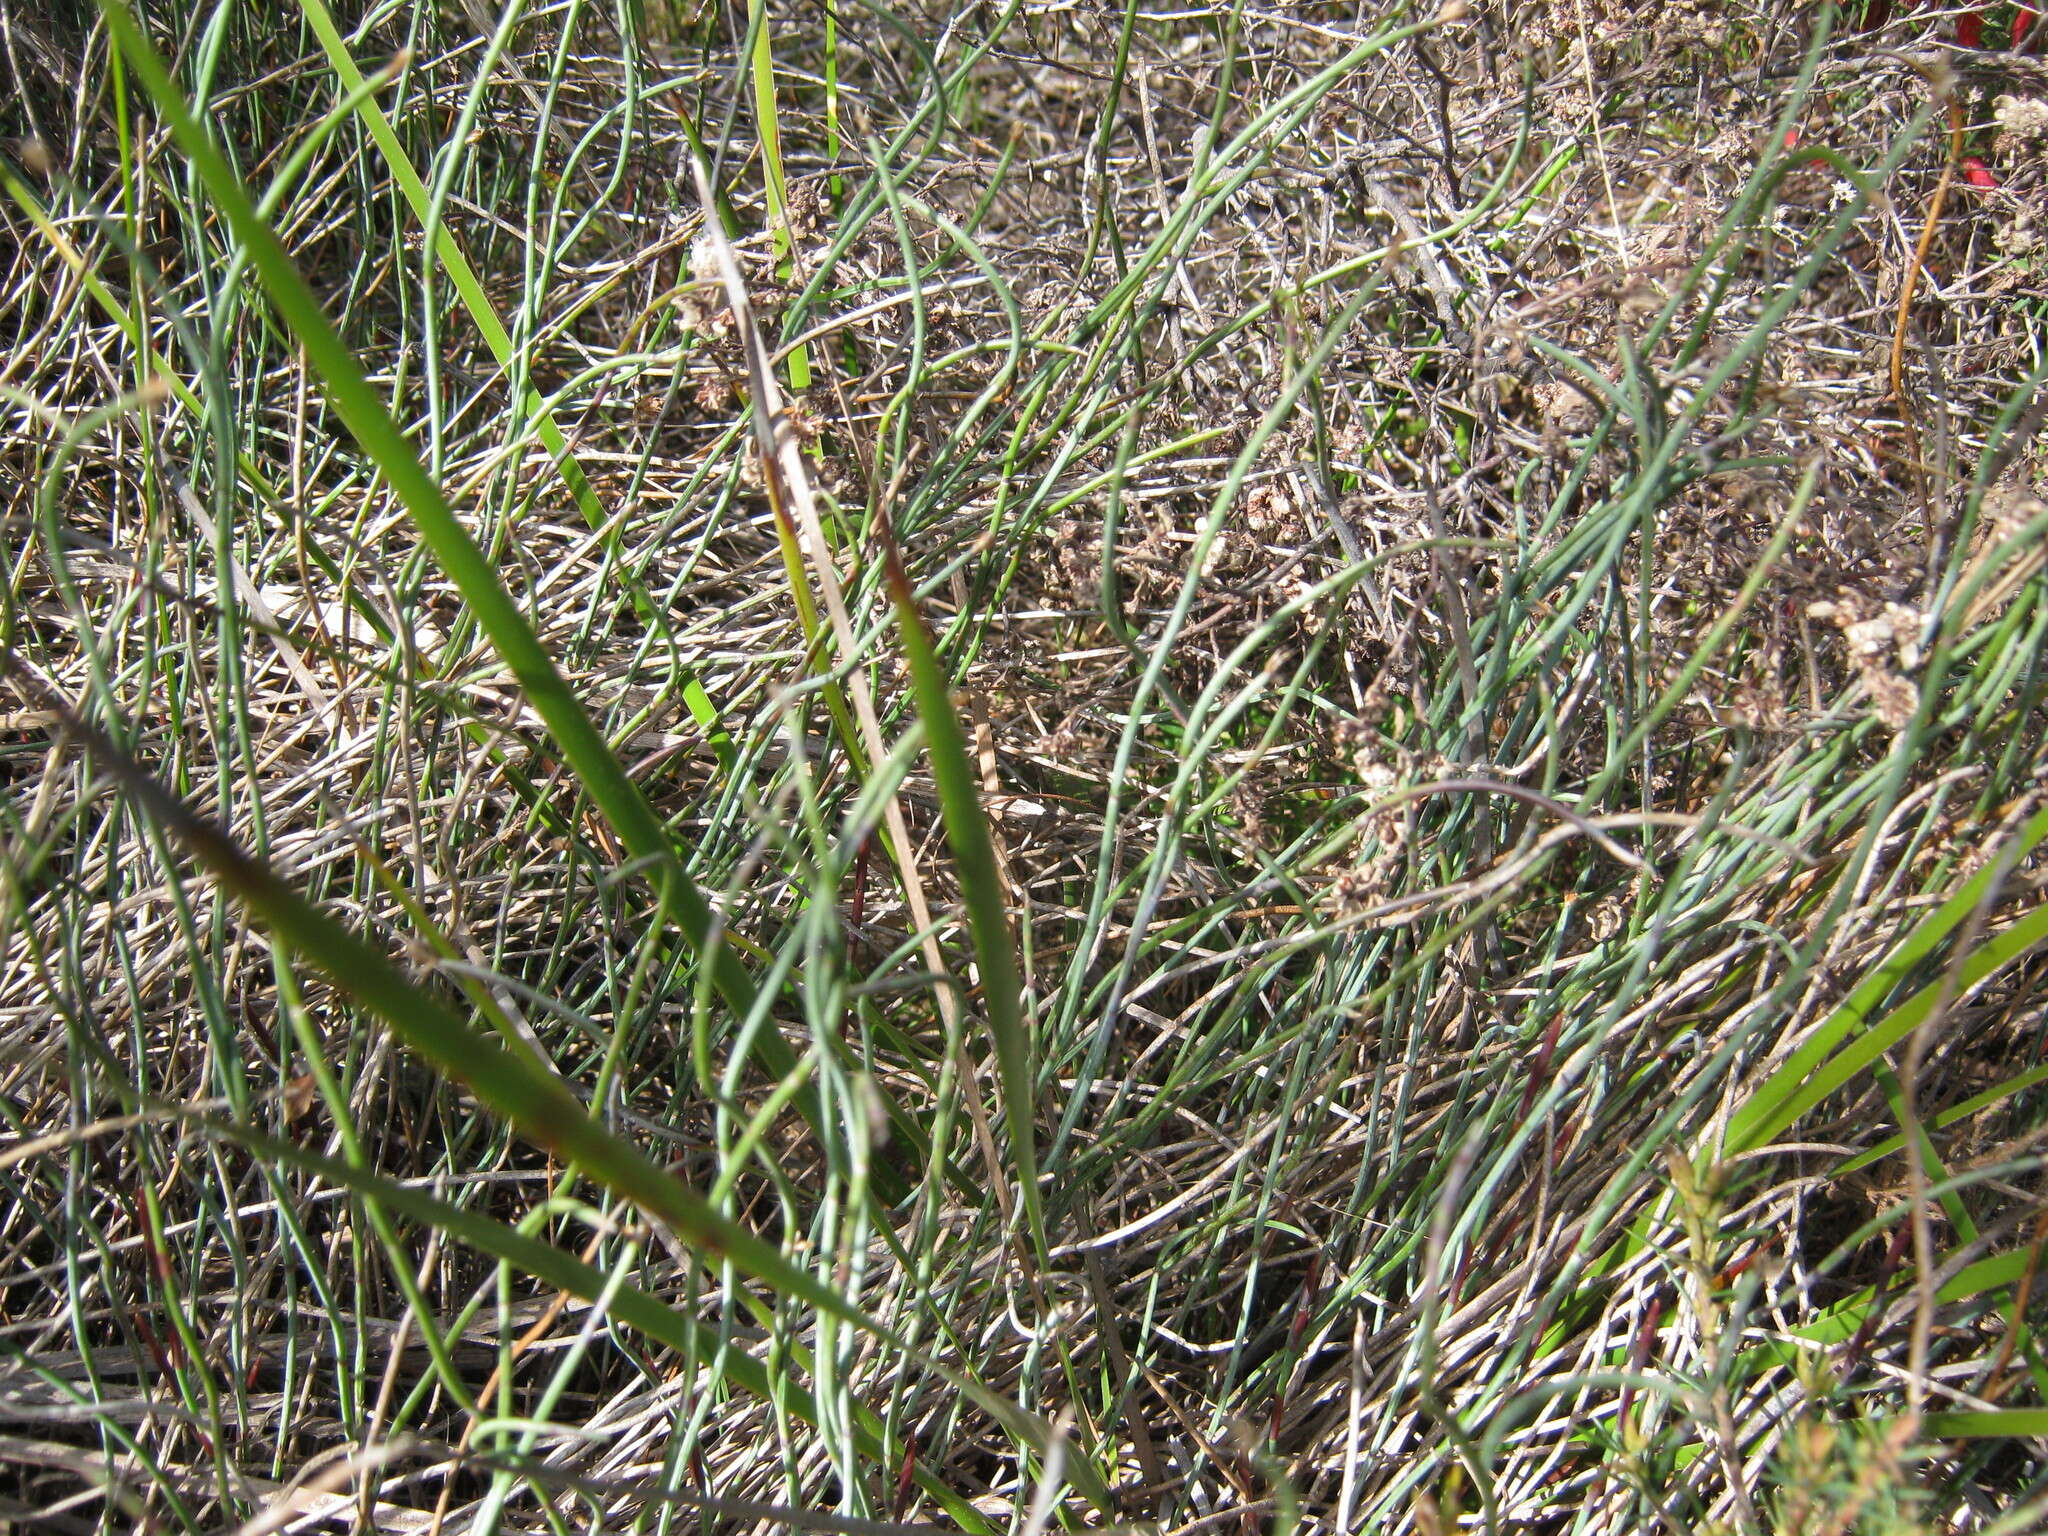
(449,251)
(1974,1105)
(637,1309)
(507,1079)
(523,1089)
(761,69)
(1801,1081)
(1989,1423)
(349,391)
(483,314)
(1994,955)
(974,859)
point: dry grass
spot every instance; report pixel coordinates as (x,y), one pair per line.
(1472,666)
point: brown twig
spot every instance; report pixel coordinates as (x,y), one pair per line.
(1943,84)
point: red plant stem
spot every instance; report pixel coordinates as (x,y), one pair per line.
(856,910)
(1639,1355)
(905,1478)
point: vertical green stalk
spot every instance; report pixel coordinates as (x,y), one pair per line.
(763,61)
(603,777)
(974,857)
(832,138)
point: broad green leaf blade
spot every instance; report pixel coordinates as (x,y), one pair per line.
(974,858)
(1754,1129)
(1975,1104)
(467,286)
(477,303)
(350,393)
(1791,1090)
(512,1083)
(517,1084)
(527,1093)
(1989,1423)
(637,1309)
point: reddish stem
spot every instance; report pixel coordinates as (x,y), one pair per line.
(905,1478)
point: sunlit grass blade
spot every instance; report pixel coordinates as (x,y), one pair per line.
(1976,1104)
(1998,951)
(603,777)
(761,70)
(1988,1423)
(524,1090)
(503,1076)
(1801,1080)
(484,315)
(635,1308)
(974,860)
(448,250)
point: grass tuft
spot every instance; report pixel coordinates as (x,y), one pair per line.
(915,769)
